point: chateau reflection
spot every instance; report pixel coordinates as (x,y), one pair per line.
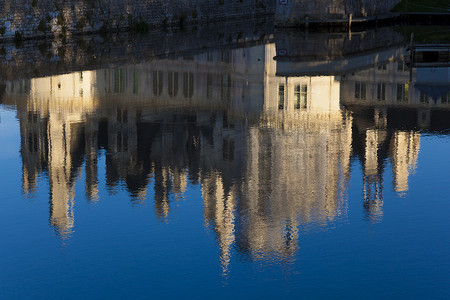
(390,104)
(272,153)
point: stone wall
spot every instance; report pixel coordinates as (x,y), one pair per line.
(293,12)
(37,18)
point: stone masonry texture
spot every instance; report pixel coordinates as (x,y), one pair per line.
(45,18)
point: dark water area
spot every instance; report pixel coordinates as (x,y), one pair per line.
(247,164)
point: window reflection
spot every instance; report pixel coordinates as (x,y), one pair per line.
(157,83)
(360,90)
(172,81)
(209,86)
(402,92)
(381,91)
(188,84)
(281,96)
(119,80)
(225,91)
(261,173)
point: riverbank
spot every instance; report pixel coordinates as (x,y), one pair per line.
(63,20)
(23,19)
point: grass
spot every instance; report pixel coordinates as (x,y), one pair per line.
(423,6)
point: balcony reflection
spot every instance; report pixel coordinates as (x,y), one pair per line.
(271,151)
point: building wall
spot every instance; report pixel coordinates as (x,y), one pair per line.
(53,17)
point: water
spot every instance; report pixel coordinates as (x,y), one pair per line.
(294,166)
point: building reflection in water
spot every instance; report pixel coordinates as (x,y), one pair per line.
(390,104)
(272,153)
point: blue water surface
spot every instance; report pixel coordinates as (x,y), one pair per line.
(201,203)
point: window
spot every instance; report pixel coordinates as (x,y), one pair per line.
(32,142)
(381,91)
(380,116)
(209,86)
(228,149)
(334,9)
(382,68)
(226,57)
(32,117)
(401,66)
(172,82)
(303,96)
(300,96)
(402,92)
(281,96)
(297,97)
(24,86)
(122,141)
(135,82)
(424,98)
(106,76)
(122,116)
(209,56)
(188,85)
(157,83)
(226,123)
(225,91)
(360,90)
(119,81)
